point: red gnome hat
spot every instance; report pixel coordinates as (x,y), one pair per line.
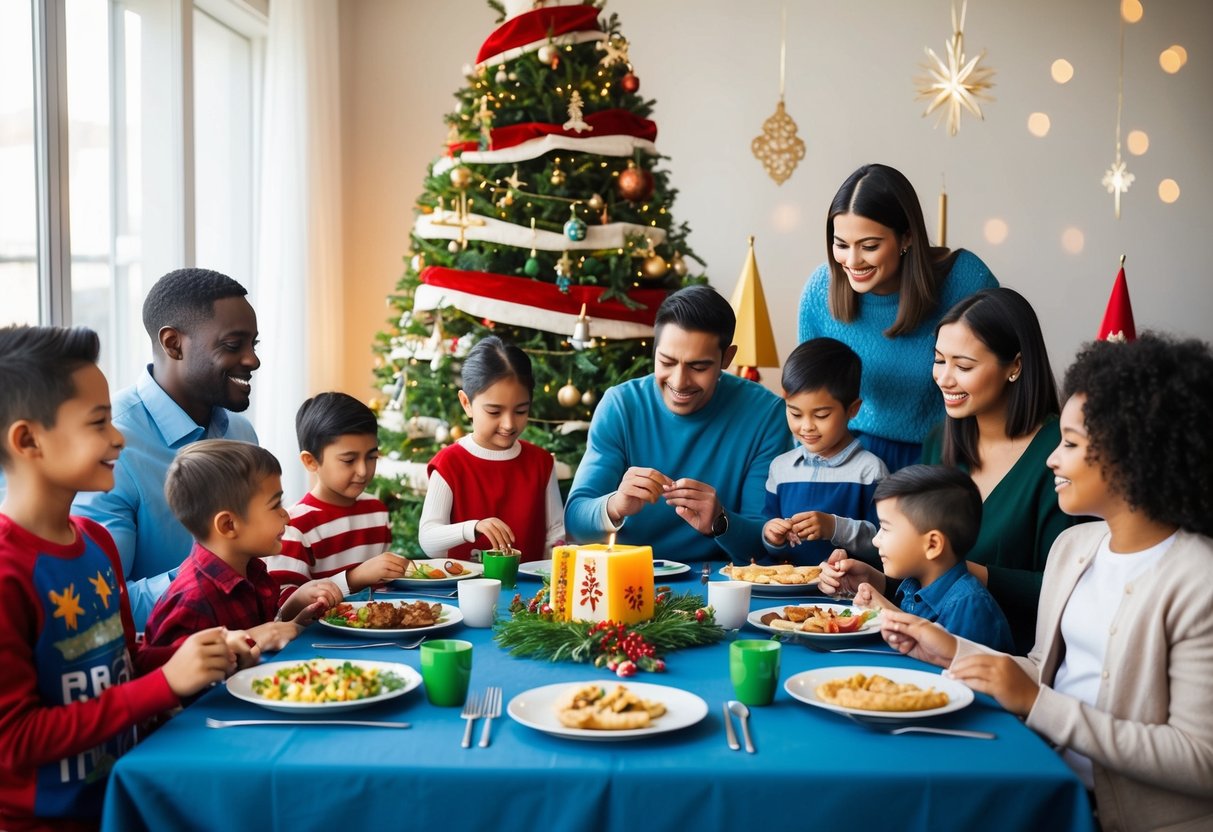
(1118,319)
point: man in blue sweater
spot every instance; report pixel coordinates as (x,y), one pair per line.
(678,459)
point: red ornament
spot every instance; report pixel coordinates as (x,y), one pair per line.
(750,373)
(629,83)
(634,184)
(555,62)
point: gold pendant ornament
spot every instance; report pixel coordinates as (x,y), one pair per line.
(955,83)
(779,148)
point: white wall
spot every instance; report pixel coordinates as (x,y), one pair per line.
(712,66)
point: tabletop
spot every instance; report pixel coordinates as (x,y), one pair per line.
(811,765)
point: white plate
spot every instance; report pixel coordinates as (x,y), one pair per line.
(803,686)
(449,617)
(540,569)
(470,570)
(240,685)
(536,708)
(773,590)
(868,629)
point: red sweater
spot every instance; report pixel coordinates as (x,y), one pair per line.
(70,700)
(512,490)
(324,540)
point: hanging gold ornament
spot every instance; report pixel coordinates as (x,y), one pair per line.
(457,432)
(596,203)
(461,177)
(957,82)
(558,177)
(1117,178)
(654,267)
(679,264)
(588,398)
(569,395)
(779,148)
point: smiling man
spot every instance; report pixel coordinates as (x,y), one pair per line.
(678,459)
(204,337)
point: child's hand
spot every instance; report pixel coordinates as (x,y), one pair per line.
(916,637)
(866,597)
(201,660)
(813,525)
(274,635)
(776,531)
(321,589)
(841,575)
(379,569)
(244,647)
(500,535)
(638,488)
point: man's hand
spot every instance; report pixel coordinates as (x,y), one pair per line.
(695,503)
(638,488)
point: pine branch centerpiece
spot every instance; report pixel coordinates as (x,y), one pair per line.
(678,621)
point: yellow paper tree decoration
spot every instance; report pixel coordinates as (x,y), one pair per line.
(753,337)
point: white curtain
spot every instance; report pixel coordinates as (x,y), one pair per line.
(296,289)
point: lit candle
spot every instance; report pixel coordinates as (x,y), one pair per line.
(943,218)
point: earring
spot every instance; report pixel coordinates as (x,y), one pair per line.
(903,252)
(1012,378)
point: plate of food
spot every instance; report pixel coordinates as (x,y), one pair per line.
(888,693)
(322,684)
(388,619)
(606,712)
(540,569)
(437,572)
(783,579)
(825,622)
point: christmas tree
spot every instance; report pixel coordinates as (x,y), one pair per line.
(545,222)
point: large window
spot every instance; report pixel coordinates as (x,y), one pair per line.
(159,165)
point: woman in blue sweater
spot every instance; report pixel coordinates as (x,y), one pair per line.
(882,292)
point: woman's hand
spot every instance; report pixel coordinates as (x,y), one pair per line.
(999,676)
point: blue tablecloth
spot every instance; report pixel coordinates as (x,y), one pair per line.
(812,766)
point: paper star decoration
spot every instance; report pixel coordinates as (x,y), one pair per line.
(956,82)
(616,51)
(102,588)
(1117,180)
(67,605)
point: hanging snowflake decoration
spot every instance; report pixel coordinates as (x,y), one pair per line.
(779,148)
(957,82)
(1117,180)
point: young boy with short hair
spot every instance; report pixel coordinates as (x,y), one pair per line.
(929,519)
(819,495)
(228,494)
(71,701)
(337,531)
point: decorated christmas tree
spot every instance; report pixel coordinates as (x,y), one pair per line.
(545,221)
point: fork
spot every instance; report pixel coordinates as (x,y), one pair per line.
(809,643)
(471,712)
(238,723)
(881,728)
(492,710)
(412,645)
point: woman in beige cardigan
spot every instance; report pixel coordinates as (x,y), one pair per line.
(1120,675)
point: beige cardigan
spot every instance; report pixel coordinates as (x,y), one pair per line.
(1150,734)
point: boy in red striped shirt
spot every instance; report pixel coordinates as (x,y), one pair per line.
(337,531)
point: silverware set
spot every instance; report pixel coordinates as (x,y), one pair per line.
(891,728)
(488,708)
(743,715)
(412,645)
(241,723)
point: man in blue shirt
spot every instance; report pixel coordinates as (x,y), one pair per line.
(204,337)
(678,459)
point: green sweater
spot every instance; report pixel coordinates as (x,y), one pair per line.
(1020,519)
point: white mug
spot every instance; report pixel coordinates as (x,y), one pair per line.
(731,601)
(478,601)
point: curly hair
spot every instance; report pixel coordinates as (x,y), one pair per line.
(1147,402)
(185,298)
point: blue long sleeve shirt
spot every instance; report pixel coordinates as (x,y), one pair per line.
(150,540)
(958,602)
(729,444)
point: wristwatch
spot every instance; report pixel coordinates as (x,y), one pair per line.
(720,525)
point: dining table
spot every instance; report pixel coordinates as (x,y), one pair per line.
(811,766)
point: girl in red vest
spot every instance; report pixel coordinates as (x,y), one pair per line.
(490,489)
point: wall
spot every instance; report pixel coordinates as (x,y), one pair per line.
(712,67)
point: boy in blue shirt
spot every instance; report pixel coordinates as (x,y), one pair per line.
(819,495)
(929,519)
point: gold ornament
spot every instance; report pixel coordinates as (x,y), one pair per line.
(588,398)
(779,148)
(568,396)
(461,177)
(457,432)
(957,82)
(654,268)
(558,177)
(679,264)
(596,203)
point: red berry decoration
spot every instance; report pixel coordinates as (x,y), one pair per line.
(629,83)
(700,615)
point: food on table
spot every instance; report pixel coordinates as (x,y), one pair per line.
(817,620)
(323,680)
(453,568)
(422,570)
(877,693)
(784,573)
(592,707)
(385,615)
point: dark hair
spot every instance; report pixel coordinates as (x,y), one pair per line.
(697,309)
(884,195)
(823,363)
(326,416)
(492,360)
(215,475)
(36,366)
(185,298)
(936,497)
(1005,322)
(1146,411)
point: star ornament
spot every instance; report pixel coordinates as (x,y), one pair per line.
(1117,180)
(955,83)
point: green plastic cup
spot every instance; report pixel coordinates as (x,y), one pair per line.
(501,565)
(446,669)
(754,669)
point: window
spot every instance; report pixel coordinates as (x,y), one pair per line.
(18,168)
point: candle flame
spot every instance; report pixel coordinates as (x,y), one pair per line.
(611,542)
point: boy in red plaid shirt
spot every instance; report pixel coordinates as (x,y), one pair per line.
(228,495)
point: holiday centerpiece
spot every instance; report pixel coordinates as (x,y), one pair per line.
(602,583)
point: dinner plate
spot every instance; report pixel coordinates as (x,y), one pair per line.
(540,569)
(803,686)
(536,708)
(773,590)
(240,685)
(449,617)
(868,629)
(470,570)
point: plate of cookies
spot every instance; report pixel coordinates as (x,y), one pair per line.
(599,711)
(782,579)
(879,693)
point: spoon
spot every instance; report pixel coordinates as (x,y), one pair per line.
(743,713)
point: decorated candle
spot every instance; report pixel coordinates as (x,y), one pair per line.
(602,582)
